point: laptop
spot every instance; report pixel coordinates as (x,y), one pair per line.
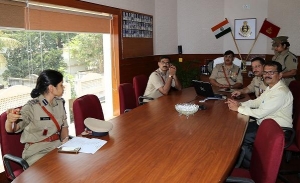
(205,89)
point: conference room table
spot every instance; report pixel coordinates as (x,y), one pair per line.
(153,143)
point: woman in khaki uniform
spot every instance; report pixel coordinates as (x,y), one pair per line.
(43,119)
(287,59)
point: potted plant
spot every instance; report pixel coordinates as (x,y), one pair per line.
(187,71)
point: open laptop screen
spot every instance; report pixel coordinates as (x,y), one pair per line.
(203,88)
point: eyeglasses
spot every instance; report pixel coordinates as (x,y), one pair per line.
(165,63)
(269,72)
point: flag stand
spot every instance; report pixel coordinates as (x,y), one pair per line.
(235,44)
(252,46)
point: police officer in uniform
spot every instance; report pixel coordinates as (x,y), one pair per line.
(286,58)
(227,75)
(43,119)
(257,85)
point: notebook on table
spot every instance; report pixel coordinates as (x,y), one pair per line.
(205,89)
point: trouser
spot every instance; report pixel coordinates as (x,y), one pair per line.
(247,144)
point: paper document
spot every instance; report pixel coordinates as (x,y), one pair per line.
(87,145)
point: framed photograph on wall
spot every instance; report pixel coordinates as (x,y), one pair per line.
(245,28)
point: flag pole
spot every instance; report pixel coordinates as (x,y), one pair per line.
(235,43)
(253,45)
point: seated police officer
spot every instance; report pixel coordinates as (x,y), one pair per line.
(227,75)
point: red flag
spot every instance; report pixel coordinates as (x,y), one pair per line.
(269,29)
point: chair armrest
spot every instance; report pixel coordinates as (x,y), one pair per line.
(141,98)
(239,180)
(289,135)
(8,157)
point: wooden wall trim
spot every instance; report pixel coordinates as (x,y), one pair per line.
(131,67)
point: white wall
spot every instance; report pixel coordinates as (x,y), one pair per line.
(286,15)
(165,27)
(188,23)
(195,19)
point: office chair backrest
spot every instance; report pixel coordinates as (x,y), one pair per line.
(295,89)
(127,97)
(267,152)
(84,107)
(139,85)
(219,60)
(10,144)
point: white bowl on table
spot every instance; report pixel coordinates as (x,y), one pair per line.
(186,109)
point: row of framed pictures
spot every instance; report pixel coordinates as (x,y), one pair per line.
(136,25)
(137,33)
(136,17)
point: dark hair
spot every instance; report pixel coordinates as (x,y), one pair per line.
(229,52)
(46,78)
(261,60)
(274,64)
(164,57)
(287,44)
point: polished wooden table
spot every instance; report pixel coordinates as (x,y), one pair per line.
(152,143)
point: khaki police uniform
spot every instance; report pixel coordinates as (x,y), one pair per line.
(287,59)
(257,86)
(156,80)
(233,74)
(288,62)
(35,121)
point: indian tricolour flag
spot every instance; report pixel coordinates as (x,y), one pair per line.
(221,29)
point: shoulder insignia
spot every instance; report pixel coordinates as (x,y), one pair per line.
(33,101)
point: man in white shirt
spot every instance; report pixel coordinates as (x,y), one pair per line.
(162,79)
(275,103)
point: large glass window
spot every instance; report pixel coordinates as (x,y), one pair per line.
(83,58)
(24,54)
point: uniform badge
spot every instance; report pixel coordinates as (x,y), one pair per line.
(245,30)
(45,102)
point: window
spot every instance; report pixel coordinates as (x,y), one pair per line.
(76,43)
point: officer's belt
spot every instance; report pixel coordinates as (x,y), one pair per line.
(48,139)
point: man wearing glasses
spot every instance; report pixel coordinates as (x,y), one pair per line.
(275,103)
(257,84)
(162,79)
(227,75)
